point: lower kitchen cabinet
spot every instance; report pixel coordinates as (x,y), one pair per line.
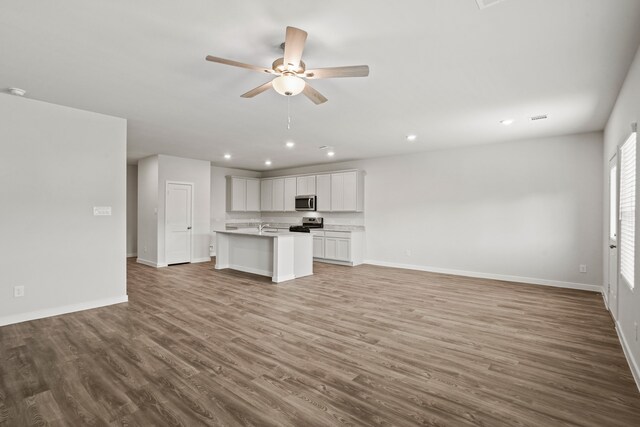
(318,247)
(340,247)
(337,249)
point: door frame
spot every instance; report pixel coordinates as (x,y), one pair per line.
(166,189)
(613,305)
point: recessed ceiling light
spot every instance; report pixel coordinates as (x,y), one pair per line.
(268,163)
(331,153)
(290,144)
(412,138)
(227,156)
(506,122)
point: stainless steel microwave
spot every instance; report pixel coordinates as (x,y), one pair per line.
(306,203)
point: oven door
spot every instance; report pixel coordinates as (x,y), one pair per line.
(305,203)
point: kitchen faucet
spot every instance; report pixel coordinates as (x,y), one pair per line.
(261,226)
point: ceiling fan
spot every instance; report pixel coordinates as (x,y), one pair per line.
(291,70)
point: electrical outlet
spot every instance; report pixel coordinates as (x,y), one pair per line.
(145,249)
(18,291)
(583,268)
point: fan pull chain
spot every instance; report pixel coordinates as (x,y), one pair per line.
(288,113)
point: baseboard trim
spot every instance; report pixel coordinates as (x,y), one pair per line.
(628,354)
(197,260)
(507,278)
(251,270)
(131,255)
(150,263)
(335,262)
(57,311)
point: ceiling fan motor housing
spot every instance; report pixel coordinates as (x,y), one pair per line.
(280,67)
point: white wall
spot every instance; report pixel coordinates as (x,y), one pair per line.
(132,210)
(57,163)
(626,111)
(197,172)
(148,211)
(524,210)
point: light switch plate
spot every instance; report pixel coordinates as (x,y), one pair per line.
(102,211)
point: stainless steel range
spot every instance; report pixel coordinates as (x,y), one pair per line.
(307,224)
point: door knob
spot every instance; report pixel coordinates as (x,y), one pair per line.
(612,246)
(188,228)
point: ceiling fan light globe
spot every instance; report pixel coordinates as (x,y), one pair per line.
(288,85)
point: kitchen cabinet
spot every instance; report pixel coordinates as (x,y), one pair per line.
(290,194)
(323,192)
(346,192)
(338,247)
(243,194)
(266,195)
(306,185)
(278,195)
(318,247)
(253,195)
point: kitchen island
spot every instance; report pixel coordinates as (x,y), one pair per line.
(281,255)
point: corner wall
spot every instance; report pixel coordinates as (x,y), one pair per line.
(57,163)
(148,211)
(219,214)
(132,210)
(618,129)
(197,172)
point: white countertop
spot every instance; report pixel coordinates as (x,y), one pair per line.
(327,227)
(265,233)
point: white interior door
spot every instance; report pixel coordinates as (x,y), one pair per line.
(178,223)
(612,290)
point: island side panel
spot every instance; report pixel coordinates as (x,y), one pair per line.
(283,254)
(303,255)
(222,251)
(251,254)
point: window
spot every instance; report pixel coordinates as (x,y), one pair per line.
(628,209)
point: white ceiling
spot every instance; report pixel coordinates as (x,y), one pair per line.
(442,69)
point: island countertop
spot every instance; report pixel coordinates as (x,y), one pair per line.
(264,233)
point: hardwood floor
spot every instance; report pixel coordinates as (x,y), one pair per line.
(356,346)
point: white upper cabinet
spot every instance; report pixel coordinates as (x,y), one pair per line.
(238,200)
(266,195)
(290,194)
(335,191)
(347,191)
(243,194)
(253,195)
(278,195)
(323,192)
(306,185)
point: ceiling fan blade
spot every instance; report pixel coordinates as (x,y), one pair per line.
(257,91)
(293,46)
(239,64)
(314,95)
(332,72)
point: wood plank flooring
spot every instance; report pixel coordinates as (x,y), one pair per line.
(348,346)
